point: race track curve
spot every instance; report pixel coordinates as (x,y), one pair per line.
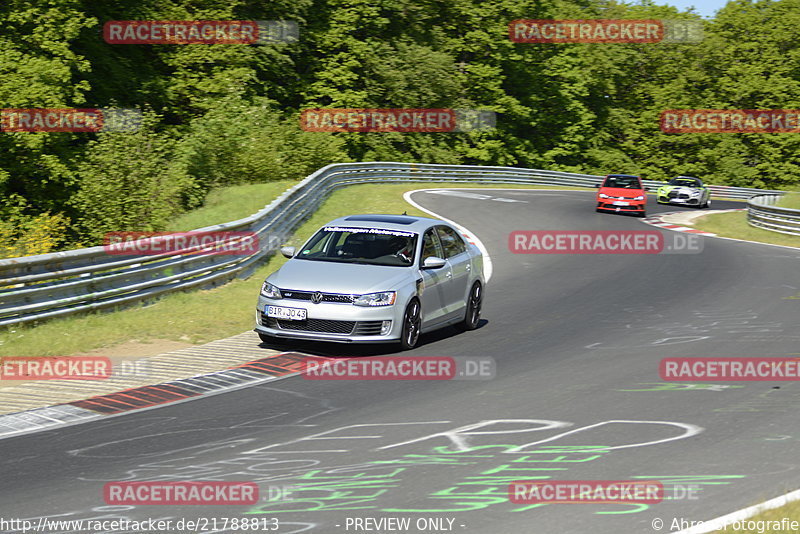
(577,341)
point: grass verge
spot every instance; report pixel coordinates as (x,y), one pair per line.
(230,204)
(203,316)
(790,200)
(734,224)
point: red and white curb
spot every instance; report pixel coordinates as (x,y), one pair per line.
(274,367)
(658,220)
(678,220)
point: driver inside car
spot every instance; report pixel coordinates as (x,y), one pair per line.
(402,248)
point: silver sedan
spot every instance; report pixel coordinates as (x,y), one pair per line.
(373,279)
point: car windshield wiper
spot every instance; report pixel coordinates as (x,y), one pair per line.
(342,260)
(362,261)
(382,264)
(326,258)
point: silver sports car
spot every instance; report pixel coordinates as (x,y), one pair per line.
(684,190)
(372,279)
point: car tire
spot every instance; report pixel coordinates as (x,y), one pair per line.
(412,322)
(472,315)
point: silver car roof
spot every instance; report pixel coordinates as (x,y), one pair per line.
(407,223)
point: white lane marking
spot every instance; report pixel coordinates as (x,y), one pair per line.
(501,199)
(512,189)
(476,196)
(720,523)
(487,260)
(461,194)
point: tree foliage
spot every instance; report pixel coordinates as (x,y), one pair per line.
(228,114)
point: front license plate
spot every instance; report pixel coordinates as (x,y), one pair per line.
(293,314)
(622,203)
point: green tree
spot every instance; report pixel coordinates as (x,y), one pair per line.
(128,183)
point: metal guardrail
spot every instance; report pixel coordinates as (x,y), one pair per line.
(52,285)
(763,213)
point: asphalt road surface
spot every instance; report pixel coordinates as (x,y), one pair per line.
(577,341)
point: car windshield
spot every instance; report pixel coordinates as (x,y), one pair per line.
(624,182)
(685,182)
(372,246)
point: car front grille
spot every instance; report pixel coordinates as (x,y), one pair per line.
(311,325)
(676,194)
(306,295)
(326,326)
(609,206)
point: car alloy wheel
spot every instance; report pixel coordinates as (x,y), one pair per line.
(409,334)
(473,314)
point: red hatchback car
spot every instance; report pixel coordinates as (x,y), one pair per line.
(622,193)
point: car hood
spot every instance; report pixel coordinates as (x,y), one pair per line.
(621,192)
(332,277)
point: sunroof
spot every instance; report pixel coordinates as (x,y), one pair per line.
(395,219)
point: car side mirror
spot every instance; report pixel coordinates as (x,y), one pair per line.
(289,252)
(433,263)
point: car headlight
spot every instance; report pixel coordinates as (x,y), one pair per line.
(384,298)
(640,197)
(603,195)
(694,193)
(270,291)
